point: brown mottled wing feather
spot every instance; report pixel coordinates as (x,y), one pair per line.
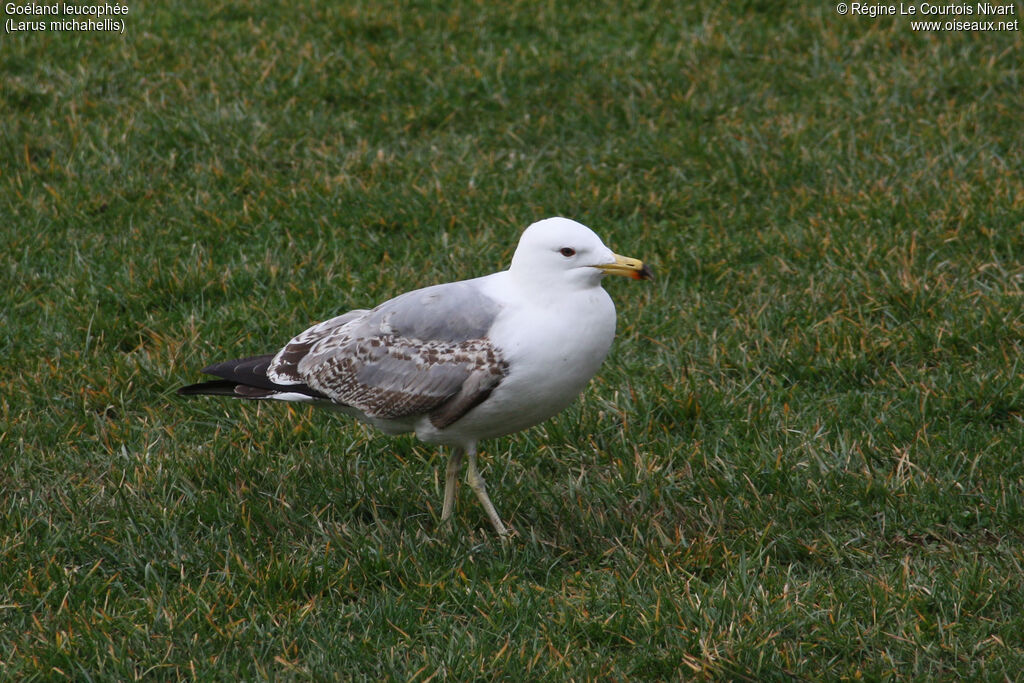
(425,352)
(284,368)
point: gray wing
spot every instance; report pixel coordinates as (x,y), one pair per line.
(424,352)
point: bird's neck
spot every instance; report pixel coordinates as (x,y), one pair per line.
(548,285)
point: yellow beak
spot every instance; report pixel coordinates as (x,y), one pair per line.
(630,267)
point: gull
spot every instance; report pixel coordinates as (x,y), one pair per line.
(459,362)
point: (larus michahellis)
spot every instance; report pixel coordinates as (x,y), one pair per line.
(458,362)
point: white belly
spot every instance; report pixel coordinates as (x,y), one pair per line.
(551,355)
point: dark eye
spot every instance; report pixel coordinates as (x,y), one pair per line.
(567,252)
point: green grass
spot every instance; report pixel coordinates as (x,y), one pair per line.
(804,457)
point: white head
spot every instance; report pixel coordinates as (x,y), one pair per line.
(558,252)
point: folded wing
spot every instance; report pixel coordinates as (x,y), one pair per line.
(423,353)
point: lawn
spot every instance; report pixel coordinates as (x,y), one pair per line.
(804,457)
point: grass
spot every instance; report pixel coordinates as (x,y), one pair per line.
(803,458)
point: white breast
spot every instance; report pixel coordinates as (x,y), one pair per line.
(552,349)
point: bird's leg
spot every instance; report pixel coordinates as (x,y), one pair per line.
(476,482)
(451,482)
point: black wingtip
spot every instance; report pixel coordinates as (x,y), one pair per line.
(217,387)
(244,378)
